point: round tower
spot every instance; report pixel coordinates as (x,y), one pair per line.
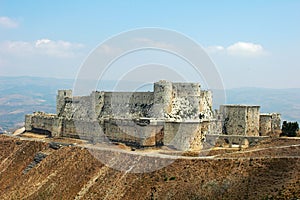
(162,99)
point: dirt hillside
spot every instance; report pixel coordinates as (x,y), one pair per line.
(37,170)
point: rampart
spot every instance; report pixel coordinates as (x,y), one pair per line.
(178,115)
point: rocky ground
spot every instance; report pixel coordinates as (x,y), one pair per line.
(32,169)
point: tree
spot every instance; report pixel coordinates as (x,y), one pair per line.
(289,129)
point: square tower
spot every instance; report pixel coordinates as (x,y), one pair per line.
(269,124)
(60,99)
(240,120)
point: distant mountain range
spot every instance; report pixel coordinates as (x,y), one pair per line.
(22,95)
(284,101)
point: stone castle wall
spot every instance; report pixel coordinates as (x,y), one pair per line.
(60,99)
(107,104)
(130,132)
(183,135)
(162,102)
(240,120)
(265,124)
(206,103)
(174,114)
(43,123)
(252,121)
(127,104)
(111,114)
(178,101)
(269,124)
(276,122)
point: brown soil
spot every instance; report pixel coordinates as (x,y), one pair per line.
(71,172)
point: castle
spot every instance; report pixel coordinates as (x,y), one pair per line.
(174,114)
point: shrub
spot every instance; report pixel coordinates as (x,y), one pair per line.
(289,129)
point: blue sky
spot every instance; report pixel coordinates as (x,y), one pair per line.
(253,43)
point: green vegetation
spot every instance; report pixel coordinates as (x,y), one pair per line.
(289,129)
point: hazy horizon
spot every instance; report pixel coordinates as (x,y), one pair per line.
(73,79)
(253,44)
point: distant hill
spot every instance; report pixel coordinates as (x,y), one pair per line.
(284,101)
(22,95)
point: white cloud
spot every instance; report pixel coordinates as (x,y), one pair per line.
(16,48)
(43,57)
(57,48)
(61,49)
(7,22)
(239,49)
(245,49)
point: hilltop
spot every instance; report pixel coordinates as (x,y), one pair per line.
(35,169)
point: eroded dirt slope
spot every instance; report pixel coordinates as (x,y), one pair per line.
(73,173)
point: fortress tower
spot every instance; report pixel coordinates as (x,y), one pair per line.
(162,102)
(206,104)
(240,120)
(269,124)
(60,99)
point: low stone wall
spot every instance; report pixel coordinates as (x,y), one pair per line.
(229,140)
(48,124)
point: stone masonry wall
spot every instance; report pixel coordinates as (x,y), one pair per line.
(60,99)
(127,104)
(240,120)
(28,125)
(252,121)
(162,101)
(206,104)
(276,122)
(269,124)
(183,135)
(43,123)
(186,99)
(108,104)
(234,120)
(130,132)
(185,110)
(265,124)
(181,101)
